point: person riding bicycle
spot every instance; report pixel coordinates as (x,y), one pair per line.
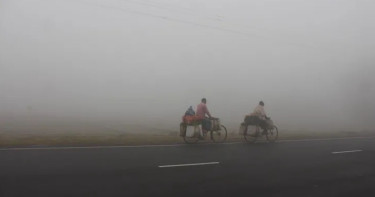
(202,111)
(260,113)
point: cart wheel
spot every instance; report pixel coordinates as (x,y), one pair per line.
(251,133)
(192,139)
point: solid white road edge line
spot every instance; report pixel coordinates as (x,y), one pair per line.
(164,145)
(347,151)
(188,164)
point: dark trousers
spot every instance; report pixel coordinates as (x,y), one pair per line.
(206,124)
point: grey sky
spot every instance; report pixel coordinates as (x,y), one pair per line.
(310,61)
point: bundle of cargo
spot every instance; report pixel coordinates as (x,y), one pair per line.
(191,120)
(255,120)
(251,120)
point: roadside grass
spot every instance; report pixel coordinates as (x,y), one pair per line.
(161,137)
(85,140)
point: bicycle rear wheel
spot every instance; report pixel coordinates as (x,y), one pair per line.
(219,136)
(192,138)
(251,133)
(272,134)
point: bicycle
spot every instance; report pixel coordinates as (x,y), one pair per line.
(218,132)
(251,131)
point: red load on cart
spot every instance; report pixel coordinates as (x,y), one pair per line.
(191,119)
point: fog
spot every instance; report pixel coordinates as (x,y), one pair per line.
(144,62)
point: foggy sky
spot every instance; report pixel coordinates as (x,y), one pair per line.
(311,62)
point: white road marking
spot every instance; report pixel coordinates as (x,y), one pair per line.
(189,164)
(163,145)
(347,151)
(325,139)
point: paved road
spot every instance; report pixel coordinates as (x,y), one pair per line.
(289,168)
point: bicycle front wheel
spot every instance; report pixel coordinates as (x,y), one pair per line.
(272,134)
(219,136)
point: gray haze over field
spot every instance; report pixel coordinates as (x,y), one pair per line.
(147,61)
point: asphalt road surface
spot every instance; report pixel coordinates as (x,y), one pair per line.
(339,167)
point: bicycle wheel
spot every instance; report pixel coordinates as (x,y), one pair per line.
(191,137)
(272,134)
(251,133)
(219,136)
